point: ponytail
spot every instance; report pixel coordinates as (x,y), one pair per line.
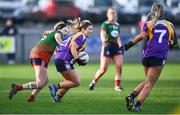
(77,25)
(157,12)
(74,24)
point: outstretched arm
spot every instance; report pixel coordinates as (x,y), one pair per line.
(138,38)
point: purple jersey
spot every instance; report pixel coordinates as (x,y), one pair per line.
(64,51)
(158,37)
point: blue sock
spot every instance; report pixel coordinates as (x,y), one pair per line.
(133,94)
(138,104)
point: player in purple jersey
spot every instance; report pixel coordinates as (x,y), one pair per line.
(65,58)
(160,36)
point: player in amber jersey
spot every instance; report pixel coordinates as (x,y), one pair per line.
(111,49)
(40,56)
(65,58)
(160,36)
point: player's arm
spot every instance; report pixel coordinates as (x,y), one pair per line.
(119,40)
(74,52)
(58,38)
(173,41)
(121,49)
(138,38)
(103,36)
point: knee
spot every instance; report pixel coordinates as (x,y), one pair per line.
(77,84)
(40,85)
(102,70)
(119,67)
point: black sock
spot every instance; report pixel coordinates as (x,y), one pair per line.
(59,97)
(58,86)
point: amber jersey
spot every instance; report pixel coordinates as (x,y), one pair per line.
(45,48)
(159,35)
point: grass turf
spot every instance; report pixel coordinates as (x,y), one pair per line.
(164,98)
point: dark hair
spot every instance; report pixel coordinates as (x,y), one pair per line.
(84,24)
(111,8)
(59,25)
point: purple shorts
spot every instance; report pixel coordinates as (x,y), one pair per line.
(61,65)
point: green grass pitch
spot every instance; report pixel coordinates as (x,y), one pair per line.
(164,98)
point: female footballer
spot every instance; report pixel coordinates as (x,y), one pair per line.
(40,56)
(111,49)
(65,58)
(160,36)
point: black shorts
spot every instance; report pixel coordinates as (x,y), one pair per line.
(61,65)
(38,62)
(153,61)
(111,49)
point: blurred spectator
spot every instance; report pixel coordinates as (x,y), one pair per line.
(142,21)
(10,30)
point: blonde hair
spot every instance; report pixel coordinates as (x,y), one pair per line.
(77,25)
(74,24)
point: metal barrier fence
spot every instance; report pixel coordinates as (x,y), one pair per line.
(25,41)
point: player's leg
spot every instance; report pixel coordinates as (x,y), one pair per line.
(64,87)
(61,66)
(130,98)
(60,94)
(103,68)
(41,81)
(152,76)
(138,89)
(33,94)
(71,80)
(118,61)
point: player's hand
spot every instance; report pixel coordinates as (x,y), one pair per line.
(172,45)
(128,45)
(80,62)
(121,50)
